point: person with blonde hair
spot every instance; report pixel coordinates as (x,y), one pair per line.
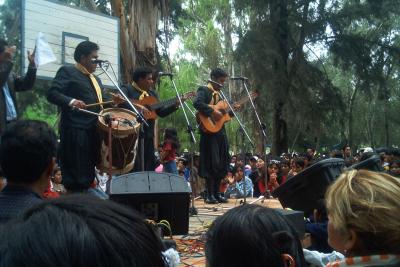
(363,210)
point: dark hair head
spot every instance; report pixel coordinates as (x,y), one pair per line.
(218,73)
(141,73)
(171,135)
(26,150)
(236,168)
(345,146)
(252,235)
(300,162)
(84,49)
(80,231)
(3,44)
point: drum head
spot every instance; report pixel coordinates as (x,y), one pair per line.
(123,121)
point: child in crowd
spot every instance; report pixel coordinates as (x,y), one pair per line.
(236,186)
(56,180)
(272,175)
(285,168)
(55,188)
(170,146)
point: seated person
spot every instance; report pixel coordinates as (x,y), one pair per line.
(252,235)
(317,226)
(80,231)
(299,165)
(364,223)
(236,185)
(258,178)
(27,157)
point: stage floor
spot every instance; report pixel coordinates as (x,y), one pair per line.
(191,246)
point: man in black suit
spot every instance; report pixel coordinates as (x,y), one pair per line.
(74,87)
(140,88)
(10,83)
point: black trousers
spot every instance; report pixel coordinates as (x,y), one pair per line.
(79,153)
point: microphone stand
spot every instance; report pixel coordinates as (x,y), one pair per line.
(262,125)
(235,115)
(192,138)
(244,133)
(140,117)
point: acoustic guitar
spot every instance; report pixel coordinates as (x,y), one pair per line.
(208,125)
(152,103)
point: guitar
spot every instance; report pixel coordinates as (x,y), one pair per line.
(152,103)
(208,125)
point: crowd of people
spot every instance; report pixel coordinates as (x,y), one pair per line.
(48,216)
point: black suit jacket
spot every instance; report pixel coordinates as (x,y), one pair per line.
(69,84)
(15,84)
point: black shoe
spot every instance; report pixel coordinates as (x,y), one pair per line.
(211,200)
(220,198)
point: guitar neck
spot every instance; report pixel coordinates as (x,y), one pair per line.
(244,100)
(163,103)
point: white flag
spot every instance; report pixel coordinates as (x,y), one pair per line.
(44,54)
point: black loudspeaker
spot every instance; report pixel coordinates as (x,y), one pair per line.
(158,196)
(303,190)
(372,164)
(296,218)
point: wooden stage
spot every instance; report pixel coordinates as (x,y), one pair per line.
(191,247)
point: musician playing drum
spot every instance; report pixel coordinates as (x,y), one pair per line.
(141,88)
(74,87)
(214,147)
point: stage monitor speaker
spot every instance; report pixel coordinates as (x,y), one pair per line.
(296,218)
(302,191)
(158,196)
(372,164)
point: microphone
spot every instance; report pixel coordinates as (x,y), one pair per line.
(239,78)
(161,73)
(98,61)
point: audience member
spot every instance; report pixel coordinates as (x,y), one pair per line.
(363,223)
(237,186)
(80,231)
(272,175)
(56,182)
(27,157)
(170,146)
(252,235)
(284,170)
(317,226)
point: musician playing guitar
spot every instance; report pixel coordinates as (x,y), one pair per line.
(214,147)
(140,89)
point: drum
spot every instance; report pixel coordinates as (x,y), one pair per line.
(125,132)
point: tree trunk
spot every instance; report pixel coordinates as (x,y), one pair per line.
(350,119)
(279,23)
(138,29)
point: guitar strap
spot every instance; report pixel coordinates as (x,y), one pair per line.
(215,95)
